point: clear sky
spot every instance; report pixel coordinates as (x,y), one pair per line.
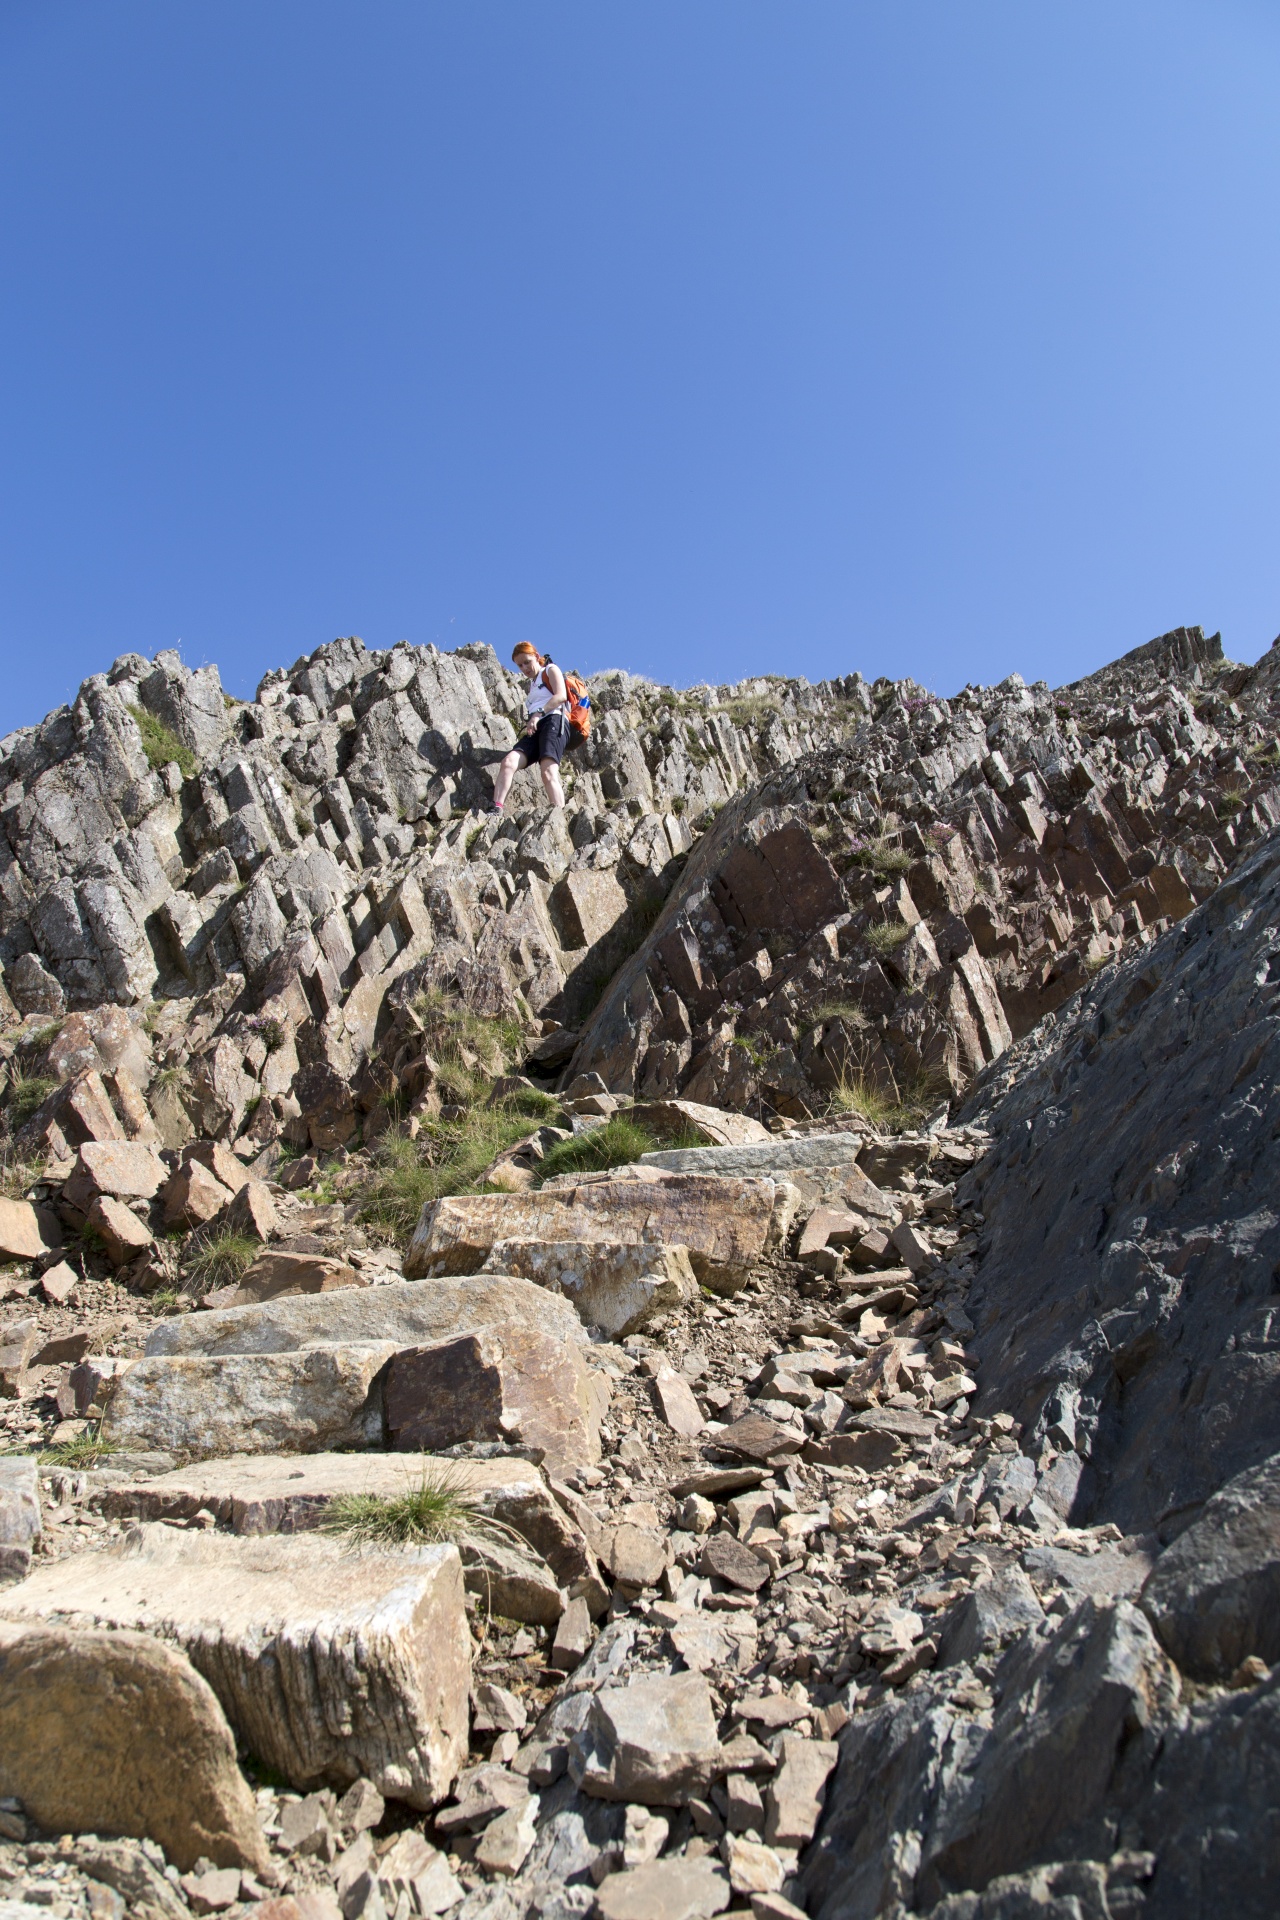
(700,337)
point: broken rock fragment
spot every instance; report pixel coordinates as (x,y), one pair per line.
(79,1716)
(653,1740)
(27,1231)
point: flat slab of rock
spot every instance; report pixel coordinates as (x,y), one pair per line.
(1213,1597)
(330,1665)
(27,1231)
(724,1224)
(819,1165)
(291,1493)
(900,1421)
(407,1315)
(280,1272)
(653,1741)
(90,1724)
(732,1561)
(510,1383)
(718,1127)
(617,1287)
(303,1400)
(665,1890)
(126,1169)
(757,1437)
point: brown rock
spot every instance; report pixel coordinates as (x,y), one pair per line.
(674,1119)
(125,1169)
(19,1341)
(27,1231)
(217,1159)
(795,1796)
(90,1724)
(59,1284)
(64,1350)
(280,1272)
(724,1558)
(193,1196)
(756,1437)
(724,1223)
(507,1383)
(121,1231)
(252,1212)
(677,1405)
(830,1226)
(635,1556)
(587,906)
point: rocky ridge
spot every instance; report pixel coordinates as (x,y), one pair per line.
(832,1480)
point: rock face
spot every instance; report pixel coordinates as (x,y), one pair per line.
(1213,1597)
(1147,1361)
(78,1713)
(276,1627)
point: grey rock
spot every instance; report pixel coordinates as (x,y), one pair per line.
(985,1621)
(1213,1597)
(652,1741)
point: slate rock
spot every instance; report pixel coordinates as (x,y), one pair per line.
(995,1612)
(27,1231)
(665,1890)
(733,1561)
(653,1741)
(511,1383)
(1213,1597)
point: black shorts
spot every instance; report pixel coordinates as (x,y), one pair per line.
(548,742)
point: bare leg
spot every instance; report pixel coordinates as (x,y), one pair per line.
(551,781)
(507,772)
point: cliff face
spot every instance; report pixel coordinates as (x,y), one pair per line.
(813,1201)
(848,882)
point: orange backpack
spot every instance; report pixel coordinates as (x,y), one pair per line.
(579,709)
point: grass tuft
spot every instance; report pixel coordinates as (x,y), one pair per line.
(221,1260)
(881,856)
(886,937)
(84,1451)
(439,1508)
(162,746)
(25,1094)
(616,1144)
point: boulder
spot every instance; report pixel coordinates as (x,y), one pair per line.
(291,1493)
(27,1231)
(718,1128)
(406,1314)
(1213,1597)
(118,1227)
(331,1666)
(193,1196)
(252,1212)
(819,1165)
(996,1611)
(653,1741)
(281,1272)
(90,1724)
(20,1524)
(665,1890)
(125,1169)
(304,1400)
(724,1224)
(510,1383)
(19,1344)
(615,1287)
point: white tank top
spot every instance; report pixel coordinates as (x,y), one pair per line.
(540,696)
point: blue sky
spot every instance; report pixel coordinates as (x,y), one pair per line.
(702,338)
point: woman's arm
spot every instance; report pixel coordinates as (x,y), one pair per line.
(555,686)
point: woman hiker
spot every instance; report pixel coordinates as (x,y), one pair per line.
(546,733)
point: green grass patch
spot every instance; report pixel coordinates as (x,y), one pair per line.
(888,1110)
(25,1094)
(1231,801)
(84,1451)
(617,1143)
(886,937)
(162,746)
(847,1010)
(881,856)
(447,1157)
(439,1508)
(221,1260)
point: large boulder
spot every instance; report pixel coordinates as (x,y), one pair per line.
(90,1726)
(615,1287)
(27,1231)
(1213,1597)
(331,1665)
(507,1383)
(305,1399)
(725,1224)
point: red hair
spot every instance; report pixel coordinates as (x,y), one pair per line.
(527,646)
